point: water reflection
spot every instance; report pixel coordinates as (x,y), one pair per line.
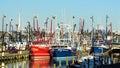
(41,63)
(47,63)
(60,63)
(20,63)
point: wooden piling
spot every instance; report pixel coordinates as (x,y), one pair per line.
(67,61)
(24,65)
(72,59)
(101,60)
(12,65)
(94,62)
(105,59)
(112,57)
(59,63)
(88,63)
(3,53)
(54,65)
(3,65)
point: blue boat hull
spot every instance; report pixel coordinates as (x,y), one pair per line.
(61,54)
(98,50)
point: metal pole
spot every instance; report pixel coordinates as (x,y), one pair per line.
(34,22)
(73,29)
(6,27)
(29,31)
(10,25)
(3,29)
(12,30)
(16,31)
(110,33)
(73,23)
(106,25)
(92,29)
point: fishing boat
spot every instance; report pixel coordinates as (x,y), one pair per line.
(98,50)
(39,48)
(63,47)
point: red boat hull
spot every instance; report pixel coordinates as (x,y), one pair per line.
(36,52)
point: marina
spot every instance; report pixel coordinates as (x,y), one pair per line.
(59,34)
(62,48)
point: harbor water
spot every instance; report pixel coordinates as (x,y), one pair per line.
(43,63)
(26,63)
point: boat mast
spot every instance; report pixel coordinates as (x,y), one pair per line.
(34,23)
(37,28)
(92,32)
(28,31)
(19,29)
(3,29)
(37,24)
(73,29)
(106,25)
(51,32)
(10,26)
(19,22)
(110,33)
(16,31)
(45,27)
(6,27)
(12,30)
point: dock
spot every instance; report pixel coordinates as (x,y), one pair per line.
(13,56)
